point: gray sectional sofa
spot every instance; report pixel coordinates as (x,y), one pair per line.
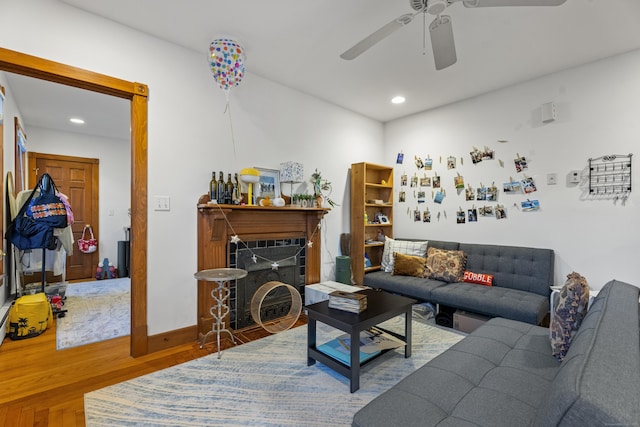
(520,291)
(503,374)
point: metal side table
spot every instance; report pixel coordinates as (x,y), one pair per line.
(220,295)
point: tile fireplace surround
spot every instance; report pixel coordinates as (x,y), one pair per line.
(218,223)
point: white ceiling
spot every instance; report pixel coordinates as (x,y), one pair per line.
(50,105)
(298,42)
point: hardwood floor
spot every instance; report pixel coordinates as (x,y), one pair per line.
(40,386)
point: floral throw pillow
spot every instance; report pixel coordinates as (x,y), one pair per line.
(408,265)
(406,247)
(568,313)
(445,265)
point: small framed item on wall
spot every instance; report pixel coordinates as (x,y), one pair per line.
(269,184)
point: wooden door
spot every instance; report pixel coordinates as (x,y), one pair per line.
(77,178)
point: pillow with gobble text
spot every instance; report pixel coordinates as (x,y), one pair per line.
(479,278)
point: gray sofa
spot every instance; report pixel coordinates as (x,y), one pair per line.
(503,374)
(520,291)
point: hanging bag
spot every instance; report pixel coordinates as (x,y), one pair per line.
(47,207)
(67,206)
(26,232)
(29,316)
(87,246)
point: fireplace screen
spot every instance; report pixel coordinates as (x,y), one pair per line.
(258,260)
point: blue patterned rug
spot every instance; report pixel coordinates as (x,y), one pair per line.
(98,310)
(262,383)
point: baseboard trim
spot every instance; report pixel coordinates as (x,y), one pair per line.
(173,338)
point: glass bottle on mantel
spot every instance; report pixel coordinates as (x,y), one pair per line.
(236,190)
(213,186)
(229,190)
(220,189)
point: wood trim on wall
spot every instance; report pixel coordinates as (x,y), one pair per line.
(2,203)
(31,66)
(19,158)
(138,251)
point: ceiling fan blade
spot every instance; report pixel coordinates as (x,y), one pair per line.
(442,43)
(498,3)
(377,36)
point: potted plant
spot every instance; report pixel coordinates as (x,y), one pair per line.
(322,189)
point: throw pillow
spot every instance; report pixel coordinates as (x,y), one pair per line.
(568,314)
(408,265)
(445,265)
(405,247)
(479,278)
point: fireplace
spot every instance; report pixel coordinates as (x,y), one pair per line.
(259,227)
(257,258)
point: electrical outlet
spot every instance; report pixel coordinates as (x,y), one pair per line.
(161,203)
(552,178)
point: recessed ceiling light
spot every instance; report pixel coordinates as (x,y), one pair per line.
(76,120)
(397,99)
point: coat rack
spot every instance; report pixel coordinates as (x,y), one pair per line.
(610,175)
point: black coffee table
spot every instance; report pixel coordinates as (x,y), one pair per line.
(381,306)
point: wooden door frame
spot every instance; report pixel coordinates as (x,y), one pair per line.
(137,93)
(3,255)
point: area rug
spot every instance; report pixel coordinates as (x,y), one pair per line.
(262,383)
(96,311)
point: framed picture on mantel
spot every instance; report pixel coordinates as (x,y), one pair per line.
(269,184)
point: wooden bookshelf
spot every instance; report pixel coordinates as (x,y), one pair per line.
(371,193)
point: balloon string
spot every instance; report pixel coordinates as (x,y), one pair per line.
(424,33)
(227,108)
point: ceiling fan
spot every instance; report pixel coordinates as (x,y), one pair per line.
(440,29)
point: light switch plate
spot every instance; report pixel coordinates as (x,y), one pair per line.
(161,203)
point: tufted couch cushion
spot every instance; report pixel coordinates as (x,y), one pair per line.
(521,280)
(598,382)
(503,374)
(497,376)
(514,267)
(493,301)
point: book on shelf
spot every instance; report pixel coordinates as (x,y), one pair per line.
(379,340)
(372,343)
(338,349)
(348,301)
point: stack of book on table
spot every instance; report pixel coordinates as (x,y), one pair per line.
(348,301)
(372,343)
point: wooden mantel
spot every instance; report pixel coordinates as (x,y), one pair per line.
(250,223)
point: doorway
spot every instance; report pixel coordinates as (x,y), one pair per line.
(137,93)
(78,178)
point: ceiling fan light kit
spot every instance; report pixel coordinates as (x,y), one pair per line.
(433,7)
(442,44)
(440,30)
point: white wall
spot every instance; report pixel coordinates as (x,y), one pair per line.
(189,135)
(598,108)
(115,177)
